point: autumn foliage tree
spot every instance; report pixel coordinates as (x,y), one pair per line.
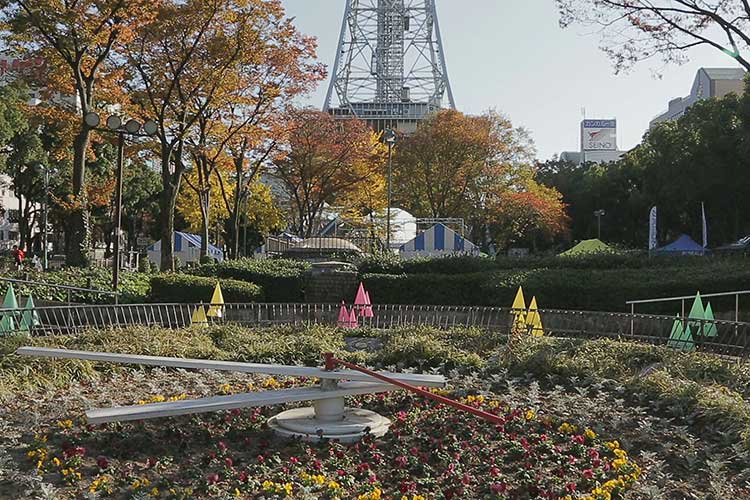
(325,161)
(476,168)
(76,39)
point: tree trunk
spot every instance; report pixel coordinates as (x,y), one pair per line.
(204,197)
(77,255)
(167,202)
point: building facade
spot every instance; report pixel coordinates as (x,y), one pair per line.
(709,82)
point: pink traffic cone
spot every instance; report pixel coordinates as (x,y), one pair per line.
(353,322)
(361,298)
(344,317)
(368,306)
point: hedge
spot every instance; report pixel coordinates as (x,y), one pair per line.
(192,289)
(133,287)
(586,289)
(282,280)
(464,264)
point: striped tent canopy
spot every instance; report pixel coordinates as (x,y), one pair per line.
(437,241)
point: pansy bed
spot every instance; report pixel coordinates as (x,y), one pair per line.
(431,452)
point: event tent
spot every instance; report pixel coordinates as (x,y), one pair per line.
(684,245)
(587,246)
(437,241)
(187,249)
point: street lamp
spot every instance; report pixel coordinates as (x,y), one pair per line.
(133,128)
(599,214)
(390,138)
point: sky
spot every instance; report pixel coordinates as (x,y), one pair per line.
(512,56)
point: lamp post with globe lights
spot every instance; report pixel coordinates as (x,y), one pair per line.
(115,125)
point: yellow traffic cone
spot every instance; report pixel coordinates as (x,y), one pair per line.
(216,309)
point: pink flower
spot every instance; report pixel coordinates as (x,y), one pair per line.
(401,461)
(570,487)
(588,473)
(261,459)
(401,415)
(212,478)
(294,460)
(222,446)
(229,461)
(361,468)
(494,472)
(579,439)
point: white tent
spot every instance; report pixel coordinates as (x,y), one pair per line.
(437,241)
(187,249)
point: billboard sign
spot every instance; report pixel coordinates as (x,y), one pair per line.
(599,135)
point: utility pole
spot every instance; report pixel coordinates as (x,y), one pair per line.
(599,214)
(390,139)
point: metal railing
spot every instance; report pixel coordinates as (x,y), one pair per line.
(723,337)
(67,288)
(682,299)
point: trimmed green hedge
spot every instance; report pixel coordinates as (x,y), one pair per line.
(134,287)
(282,280)
(586,289)
(192,289)
(465,264)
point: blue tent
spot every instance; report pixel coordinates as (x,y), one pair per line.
(684,245)
(186,249)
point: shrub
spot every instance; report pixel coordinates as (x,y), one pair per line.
(133,287)
(193,289)
(281,279)
(582,289)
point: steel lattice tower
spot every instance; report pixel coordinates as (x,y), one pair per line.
(390,66)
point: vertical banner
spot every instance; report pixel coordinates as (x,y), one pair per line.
(652,240)
(705,226)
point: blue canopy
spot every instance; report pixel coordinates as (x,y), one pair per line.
(684,245)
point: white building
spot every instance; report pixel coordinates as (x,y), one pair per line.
(8,214)
(709,82)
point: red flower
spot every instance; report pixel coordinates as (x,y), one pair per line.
(242,476)
(494,472)
(229,461)
(588,473)
(102,462)
(498,487)
(222,446)
(212,478)
(570,487)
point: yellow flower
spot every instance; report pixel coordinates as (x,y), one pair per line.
(418,497)
(237,492)
(56,462)
(530,415)
(155,492)
(135,484)
(566,428)
(613,445)
(288,488)
(590,434)
(267,485)
(65,424)
(333,485)
(494,404)
(225,388)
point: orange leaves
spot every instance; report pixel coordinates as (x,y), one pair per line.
(331,162)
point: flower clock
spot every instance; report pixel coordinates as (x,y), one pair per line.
(430,452)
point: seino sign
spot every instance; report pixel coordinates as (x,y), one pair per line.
(599,135)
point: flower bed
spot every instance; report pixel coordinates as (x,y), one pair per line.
(431,451)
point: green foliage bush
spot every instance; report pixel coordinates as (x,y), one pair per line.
(565,288)
(134,287)
(467,264)
(172,287)
(281,279)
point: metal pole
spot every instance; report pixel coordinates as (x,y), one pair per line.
(599,226)
(46,208)
(244,236)
(118,211)
(388,207)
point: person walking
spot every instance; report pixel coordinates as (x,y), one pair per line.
(18,257)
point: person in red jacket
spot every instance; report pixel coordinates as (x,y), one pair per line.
(18,256)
